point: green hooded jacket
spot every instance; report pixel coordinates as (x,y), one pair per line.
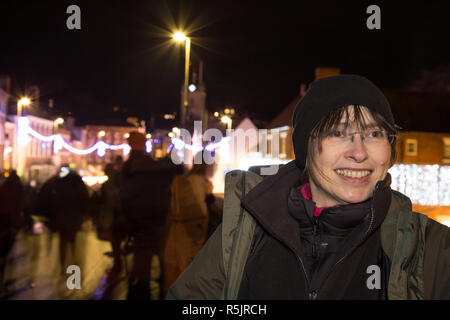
(418,248)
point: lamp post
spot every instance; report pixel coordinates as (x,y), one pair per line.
(180,37)
(20,149)
(56,124)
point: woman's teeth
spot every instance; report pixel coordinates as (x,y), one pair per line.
(353,173)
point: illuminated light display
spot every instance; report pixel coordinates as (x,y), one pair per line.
(101,149)
(93,180)
(23,125)
(24,131)
(148,146)
(126,150)
(427,185)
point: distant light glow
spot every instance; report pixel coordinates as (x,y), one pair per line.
(192,87)
(64,172)
(8,150)
(93,180)
(169,116)
(126,150)
(225,119)
(148,146)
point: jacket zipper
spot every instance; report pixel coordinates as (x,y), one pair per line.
(314,293)
(315,231)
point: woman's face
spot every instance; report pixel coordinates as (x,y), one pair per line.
(346,172)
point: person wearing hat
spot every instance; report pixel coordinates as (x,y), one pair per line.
(327,225)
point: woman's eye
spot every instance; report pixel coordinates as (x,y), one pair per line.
(376,134)
(336,134)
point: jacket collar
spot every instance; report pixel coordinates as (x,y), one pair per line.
(268,203)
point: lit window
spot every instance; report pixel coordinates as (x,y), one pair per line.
(446,158)
(411,147)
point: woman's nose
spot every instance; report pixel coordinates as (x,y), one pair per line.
(357,149)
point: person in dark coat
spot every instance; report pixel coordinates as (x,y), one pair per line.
(11,219)
(64,200)
(111,216)
(145,198)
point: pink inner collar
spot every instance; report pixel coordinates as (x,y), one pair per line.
(306,193)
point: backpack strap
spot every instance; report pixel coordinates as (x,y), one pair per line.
(238,228)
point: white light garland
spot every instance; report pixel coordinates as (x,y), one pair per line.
(423,184)
(426,185)
(25,130)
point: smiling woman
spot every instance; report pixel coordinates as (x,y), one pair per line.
(319,227)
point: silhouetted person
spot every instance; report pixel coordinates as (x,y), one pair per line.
(64,199)
(112,215)
(145,196)
(11,195)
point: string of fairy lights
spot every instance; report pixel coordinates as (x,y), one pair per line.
(25,131)
(424,184)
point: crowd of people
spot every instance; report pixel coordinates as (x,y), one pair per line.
(149,208)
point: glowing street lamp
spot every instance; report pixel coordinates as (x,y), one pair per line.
(23,102)
(101,134)
(181,37)
(227,120)
(59,121)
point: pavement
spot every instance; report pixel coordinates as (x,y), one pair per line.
(33,270)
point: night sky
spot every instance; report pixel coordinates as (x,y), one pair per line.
(255,53)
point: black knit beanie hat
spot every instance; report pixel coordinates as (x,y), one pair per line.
(327,94)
